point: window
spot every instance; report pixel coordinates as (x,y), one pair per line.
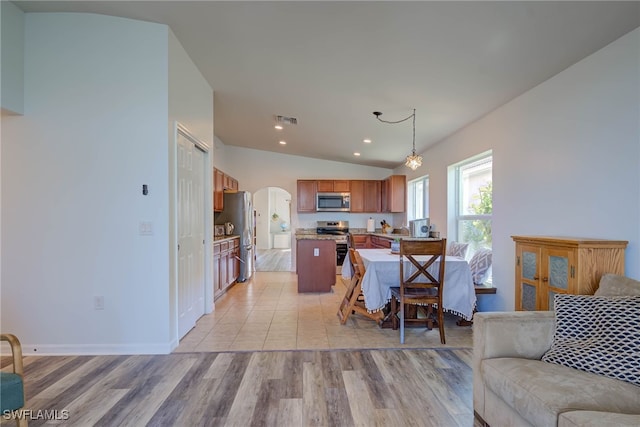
(418,195)
(474,203)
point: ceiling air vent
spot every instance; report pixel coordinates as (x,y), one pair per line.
(286,120)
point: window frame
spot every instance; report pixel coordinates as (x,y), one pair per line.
(457,206)
(411,197)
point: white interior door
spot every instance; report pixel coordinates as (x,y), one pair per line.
(191,235)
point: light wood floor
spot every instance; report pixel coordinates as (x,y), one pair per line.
(268,313)
(274,260)
(291,388)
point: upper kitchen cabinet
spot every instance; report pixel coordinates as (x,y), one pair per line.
(218,190)
(394,193)
(333,186)
(307,195)
(230,183)
(221,183)
(365,196)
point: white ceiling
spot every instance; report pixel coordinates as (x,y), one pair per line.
(331,64)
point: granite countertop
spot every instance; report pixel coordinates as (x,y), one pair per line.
(310,233)
(315,236)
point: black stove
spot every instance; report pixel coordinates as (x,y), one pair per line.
(340,229)
(335,228)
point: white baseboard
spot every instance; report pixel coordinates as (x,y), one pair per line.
(95,349)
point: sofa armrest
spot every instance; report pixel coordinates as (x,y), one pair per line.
(523,334)
(526,334)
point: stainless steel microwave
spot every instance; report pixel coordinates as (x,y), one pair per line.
(333,202)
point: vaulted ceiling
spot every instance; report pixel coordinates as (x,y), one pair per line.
(330,64)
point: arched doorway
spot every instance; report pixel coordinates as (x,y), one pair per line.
(273,229)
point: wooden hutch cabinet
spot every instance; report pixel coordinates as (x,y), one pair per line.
(546,266)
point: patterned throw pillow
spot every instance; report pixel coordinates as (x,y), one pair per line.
(597,334)
(457,249)
(479,265)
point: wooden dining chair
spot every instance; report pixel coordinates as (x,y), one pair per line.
(353,301)
(423,287)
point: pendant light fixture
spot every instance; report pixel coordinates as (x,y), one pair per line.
(413,161)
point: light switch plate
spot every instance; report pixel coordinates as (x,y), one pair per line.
(146,228)
(316,251)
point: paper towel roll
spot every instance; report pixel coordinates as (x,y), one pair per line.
(371,226)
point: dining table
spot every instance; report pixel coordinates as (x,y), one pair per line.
(382,272)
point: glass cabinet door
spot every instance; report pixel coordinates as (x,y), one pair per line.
(556,274)
(527,294)
(529,265)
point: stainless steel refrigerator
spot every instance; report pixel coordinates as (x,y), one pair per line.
(238,210)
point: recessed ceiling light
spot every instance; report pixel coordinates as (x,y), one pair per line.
(356,154)
(283,142)
(279,127)
(366,141)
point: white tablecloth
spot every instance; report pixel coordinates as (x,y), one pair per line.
(383,271)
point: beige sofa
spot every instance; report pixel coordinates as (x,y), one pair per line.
(513,387)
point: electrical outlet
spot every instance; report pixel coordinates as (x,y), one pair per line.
(316,251)
(98,303)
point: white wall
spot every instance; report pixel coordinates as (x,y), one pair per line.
(95,129)
(191,105)
(566,161)
(12,58)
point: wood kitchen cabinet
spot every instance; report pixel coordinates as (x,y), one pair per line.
(361,241)
(226,265)
(221,183)
(393,194)
(218,190)
(307,195)
(546,266)
(365,196)
(372,196)
(333,186)
(216,269)
(357,196)
(380,242)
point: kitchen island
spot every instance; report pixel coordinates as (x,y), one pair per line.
(316,263)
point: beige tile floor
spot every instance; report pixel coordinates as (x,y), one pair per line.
(268,313)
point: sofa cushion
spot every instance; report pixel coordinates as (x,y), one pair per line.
(540,391)
(598,334)
(597,419)
(616,285)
